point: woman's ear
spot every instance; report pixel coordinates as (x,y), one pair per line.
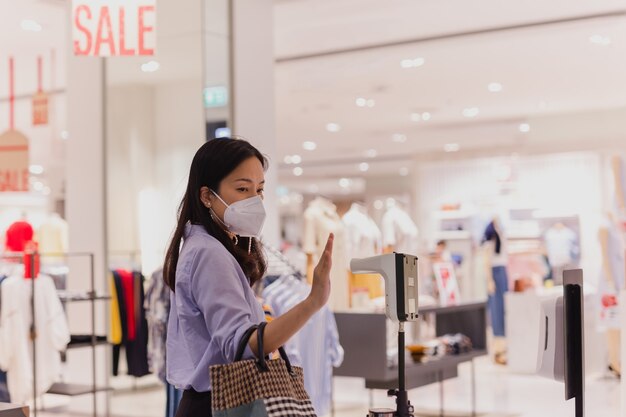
(206,197)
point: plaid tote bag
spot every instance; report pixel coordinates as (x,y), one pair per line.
(259,387)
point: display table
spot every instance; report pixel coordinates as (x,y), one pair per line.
(363,338)
(13,410)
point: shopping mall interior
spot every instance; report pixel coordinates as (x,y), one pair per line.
(485,138)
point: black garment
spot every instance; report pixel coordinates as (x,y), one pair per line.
(195,404)
(5,396)
(491,233)
(121,302)
(137,350)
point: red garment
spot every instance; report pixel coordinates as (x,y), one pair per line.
(17,235)
(129,298)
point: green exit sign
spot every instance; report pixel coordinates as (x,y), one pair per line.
(215,96)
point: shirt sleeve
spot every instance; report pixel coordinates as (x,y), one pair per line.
(219,294)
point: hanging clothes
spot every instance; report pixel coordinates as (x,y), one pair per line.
(315,347)
(130,296)
(15,339)
(157,306)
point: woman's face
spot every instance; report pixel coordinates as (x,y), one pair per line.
(247,180)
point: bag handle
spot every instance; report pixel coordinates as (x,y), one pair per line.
(261,358)
(244,342)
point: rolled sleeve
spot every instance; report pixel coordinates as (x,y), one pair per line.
(217,286)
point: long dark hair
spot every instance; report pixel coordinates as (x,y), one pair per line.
(213,161)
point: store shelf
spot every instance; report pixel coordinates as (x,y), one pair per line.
(73,390)
(68,296)
(86,344)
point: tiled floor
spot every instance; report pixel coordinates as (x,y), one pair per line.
(499,393)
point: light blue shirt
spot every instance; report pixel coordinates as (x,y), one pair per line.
(315,347)
(212,307)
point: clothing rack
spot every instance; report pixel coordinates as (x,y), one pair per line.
(275,257)
(63,388)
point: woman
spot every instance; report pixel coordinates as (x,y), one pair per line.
(211,274)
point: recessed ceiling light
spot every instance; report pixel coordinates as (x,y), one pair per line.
(524,127)
(288,160)
(35,169)
(371,153)
(412,63)
(333,127)
(600,40)
(494,87)
(297,171)
(309,146)
(65,134)
(38,185)
(296,159)
(426,116)
(361,102)
(452,147)
(150,66)
(419,117)
(364,167)
(345,182)
(470,112)
(403,172)
(378,204)
(31,25)
(398,138)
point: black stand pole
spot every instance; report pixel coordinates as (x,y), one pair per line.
(404,408)
(33,328)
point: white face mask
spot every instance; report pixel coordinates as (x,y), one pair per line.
(244,217)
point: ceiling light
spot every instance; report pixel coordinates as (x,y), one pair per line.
(297,171)
(364,167)
(361,102)
(38,186)
(288,160)
(370,103)
(524,127)
(333,127)
(344,183)
(35,169)
(426,116)
(150,66)
(296,159)
(470,112)
(309,146)
(452,147)
(416,117)
(404,172)
(494,87)
(600,40)
(399,138)
(65,134)
(31,26)
(412,63)
(371,153)
(378,205)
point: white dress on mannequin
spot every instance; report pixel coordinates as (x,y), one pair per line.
(364,236)
(52,236)
(321,219)
(399,231)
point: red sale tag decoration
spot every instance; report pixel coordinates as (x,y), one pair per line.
(114,27)
(447,285)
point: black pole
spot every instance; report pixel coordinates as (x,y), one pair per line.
(33,329)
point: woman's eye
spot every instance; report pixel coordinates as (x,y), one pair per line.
(243,190)
(260,191)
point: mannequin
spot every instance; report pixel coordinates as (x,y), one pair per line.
(497,283)
(52,235)
(364,240)
(619,178)
(320,219)
(562,248)
(611,283)
(399,231)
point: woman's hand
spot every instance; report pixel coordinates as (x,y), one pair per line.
(320,289)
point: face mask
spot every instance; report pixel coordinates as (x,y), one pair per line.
(245,217)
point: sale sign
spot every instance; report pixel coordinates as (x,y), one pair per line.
(114,27)
(13,161)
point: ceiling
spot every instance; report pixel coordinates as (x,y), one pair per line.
(560,67)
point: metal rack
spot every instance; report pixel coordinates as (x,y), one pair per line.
(91,296)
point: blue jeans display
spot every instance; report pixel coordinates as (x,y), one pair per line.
(496,300)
